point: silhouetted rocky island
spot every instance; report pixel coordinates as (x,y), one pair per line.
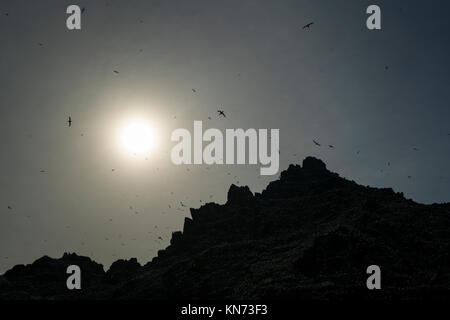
(309,235)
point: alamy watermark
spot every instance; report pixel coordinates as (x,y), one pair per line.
(240,146)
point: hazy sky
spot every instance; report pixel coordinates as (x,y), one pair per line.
(249,58)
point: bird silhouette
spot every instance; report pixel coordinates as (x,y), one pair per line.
(70,121)
(316,143)
(221,113)
(308,26)
(331,146)
(116,72)
(9,207)
(194,91)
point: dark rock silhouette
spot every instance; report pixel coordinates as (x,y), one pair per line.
(47,276)
(121,270)
(309,235)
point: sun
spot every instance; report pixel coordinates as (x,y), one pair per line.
(137,137)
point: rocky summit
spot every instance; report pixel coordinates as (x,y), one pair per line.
(309,235)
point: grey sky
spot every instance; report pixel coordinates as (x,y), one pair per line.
(249,58)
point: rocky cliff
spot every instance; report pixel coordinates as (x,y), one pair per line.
(309,235)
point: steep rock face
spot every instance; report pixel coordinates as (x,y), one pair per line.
(309,235)
(239,195)
(121,270)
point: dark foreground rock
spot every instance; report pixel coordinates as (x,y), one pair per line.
(309,235)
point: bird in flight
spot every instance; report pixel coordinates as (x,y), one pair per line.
(331,146)
(316,143)
(308,26)
(116,72)
(9,207)
(194,91)
(70,121)
(221,113)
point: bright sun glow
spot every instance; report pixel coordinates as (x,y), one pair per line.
(138,137)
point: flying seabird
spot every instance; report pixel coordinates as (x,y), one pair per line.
(316,143)
(116,72)
(70,121)
(221,113)
(308,25)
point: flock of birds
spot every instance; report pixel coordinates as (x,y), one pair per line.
(182,206)
(220,113)
(318,144)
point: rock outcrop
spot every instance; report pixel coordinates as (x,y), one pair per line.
(309,235)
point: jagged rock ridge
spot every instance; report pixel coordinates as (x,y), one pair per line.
(309,235)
